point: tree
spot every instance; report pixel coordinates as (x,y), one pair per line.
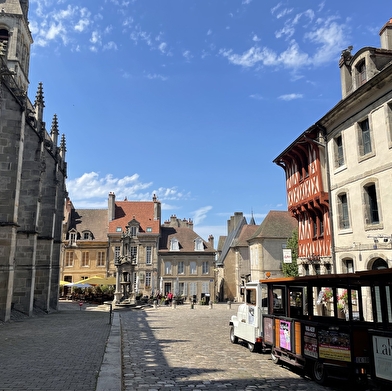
(291,269)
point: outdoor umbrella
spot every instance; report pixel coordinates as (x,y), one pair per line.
(62,283)
(96,280)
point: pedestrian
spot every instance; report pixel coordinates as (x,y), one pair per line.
(170,298)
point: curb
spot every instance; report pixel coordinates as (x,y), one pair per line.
(110,374)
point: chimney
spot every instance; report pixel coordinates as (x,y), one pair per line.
(386,36)
(211,241)
(157,208)
(111,206)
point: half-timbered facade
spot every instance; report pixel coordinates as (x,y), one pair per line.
(307,198)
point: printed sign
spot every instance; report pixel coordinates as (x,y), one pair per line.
(285,335)
(310,342)
(287,256)
(334,345)
(382,354)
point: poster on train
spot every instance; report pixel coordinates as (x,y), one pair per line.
(382,356)
(310,342)
(285,335)
(268,331)
(334,345)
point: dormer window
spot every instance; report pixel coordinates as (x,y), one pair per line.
(361,73)
(87,235)
(134,231)
(199,245)
(174,245)
(72,238)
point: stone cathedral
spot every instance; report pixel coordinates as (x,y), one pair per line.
(32,177)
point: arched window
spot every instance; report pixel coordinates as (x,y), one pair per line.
(379,264)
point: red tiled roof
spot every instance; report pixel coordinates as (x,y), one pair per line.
(142,211)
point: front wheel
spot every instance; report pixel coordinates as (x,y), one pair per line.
(233,337)
(319,372)
(252,347)
(275,358)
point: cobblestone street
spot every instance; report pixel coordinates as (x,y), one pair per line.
(183,348)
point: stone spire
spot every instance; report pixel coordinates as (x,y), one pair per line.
(63,147)
(54,131)
(39,105)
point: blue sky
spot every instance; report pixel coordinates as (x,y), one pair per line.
(190,100)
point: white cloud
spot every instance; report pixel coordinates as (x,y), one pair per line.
(95,38)
(256,96)
(251,57)
(284,12)
(187,54)
(200,214)
(289,97)
(81,25)
(110,46)
(153,76)
(275,8)
(91,188)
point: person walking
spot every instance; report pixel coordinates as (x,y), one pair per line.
(170,298)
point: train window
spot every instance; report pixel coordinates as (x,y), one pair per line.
(367,306)
(298,299)
(377,300)
(347,298)
(264,299)
(278,297)
(388,293)
(325,302)
(251,296)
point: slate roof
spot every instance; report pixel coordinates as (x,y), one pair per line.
(93,220)
(186,239)
(277,224)
(142,211)
(247,232)
(230,240)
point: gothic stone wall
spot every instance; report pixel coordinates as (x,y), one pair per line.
(33,190)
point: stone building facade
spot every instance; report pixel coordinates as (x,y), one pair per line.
(133,243)
(128,241)
(186,261)
(33,172)
(85,243)
(359,145)
(338,172)
(233,266)
(267,243)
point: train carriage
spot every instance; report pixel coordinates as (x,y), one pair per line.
(332,326)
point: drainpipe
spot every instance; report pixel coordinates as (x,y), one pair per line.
(324,132)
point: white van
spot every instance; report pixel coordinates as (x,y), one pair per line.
(247,325)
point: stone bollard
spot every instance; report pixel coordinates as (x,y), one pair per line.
(174,304)
(192,305)
(210,305)
(229,305)
(155,304)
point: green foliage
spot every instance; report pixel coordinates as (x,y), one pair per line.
(291,269)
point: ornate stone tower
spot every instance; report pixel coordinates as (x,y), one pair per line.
(32,178)
(15,39)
